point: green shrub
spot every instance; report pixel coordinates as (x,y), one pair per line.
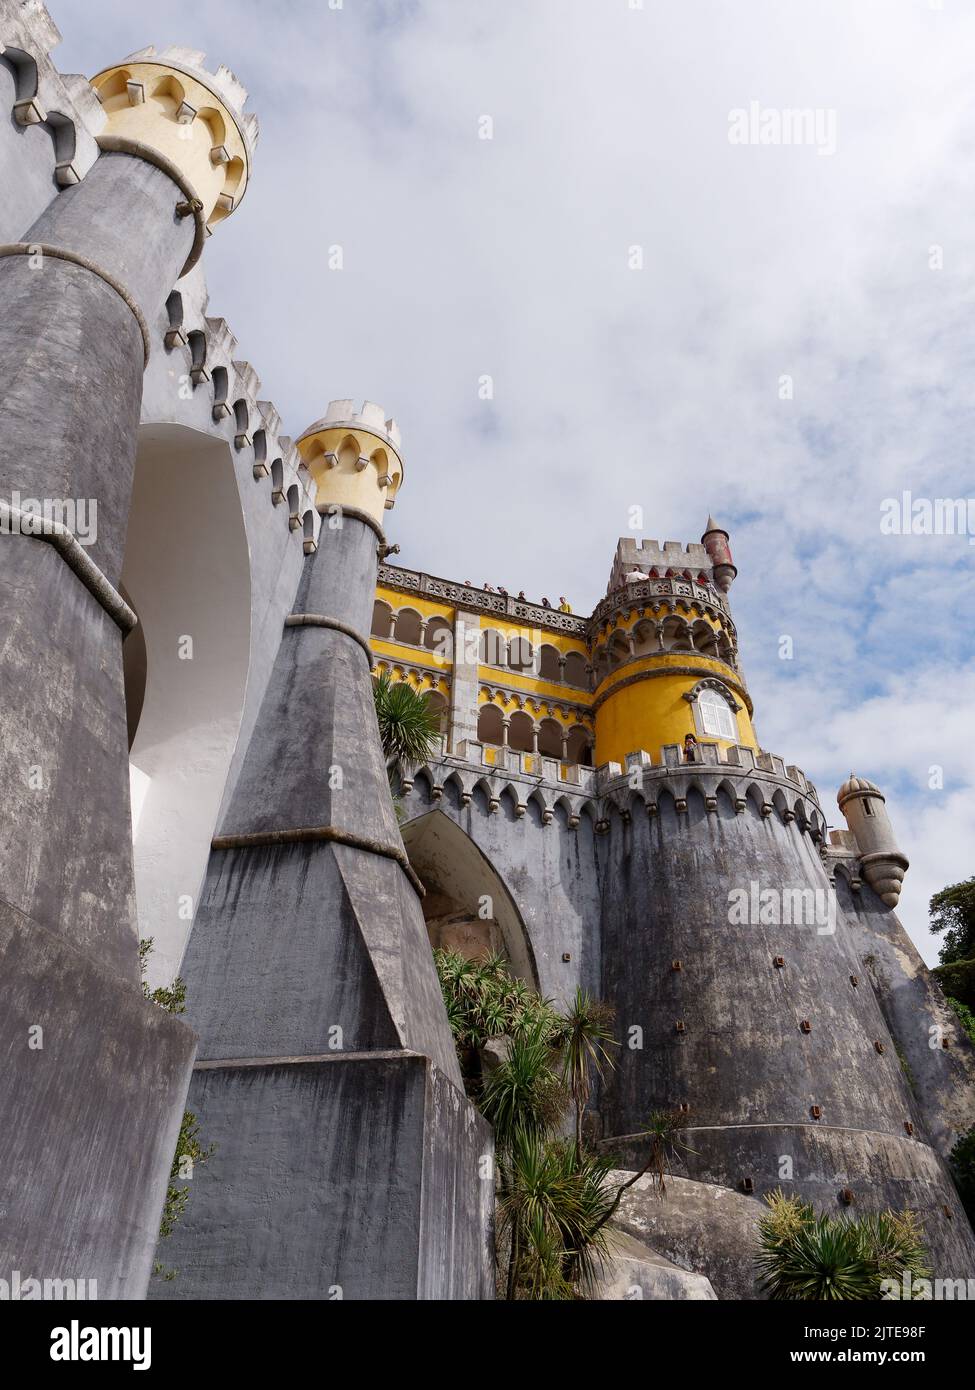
(803,1256)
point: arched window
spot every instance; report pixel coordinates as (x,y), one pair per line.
(550,738)
(439,637)
(575,670)
(580,750)
(520,654)
(521,732)
(408,627)
(489,725)
(436,702)
(716,717)
(494,649)
(381,620)
(548,666)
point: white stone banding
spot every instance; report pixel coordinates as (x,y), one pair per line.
(71,551)
(356,513)
(323,620)
(119,144)
(57,253)
(321,834)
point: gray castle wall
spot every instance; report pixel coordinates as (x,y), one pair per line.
(655,890)
(94,1076)
(549,871)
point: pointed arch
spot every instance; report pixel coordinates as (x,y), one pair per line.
(460,879)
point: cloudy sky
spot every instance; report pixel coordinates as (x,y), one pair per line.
(797,346)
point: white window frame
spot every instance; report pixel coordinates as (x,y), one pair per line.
(711,709)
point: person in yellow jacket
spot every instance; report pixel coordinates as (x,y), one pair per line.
(563,605)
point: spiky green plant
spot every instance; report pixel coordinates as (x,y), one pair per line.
(524,1094)
(587,1037)
(825,1260)
(553,1198)
(408,726)
(803,1256)
(552,1206)
(483,1001)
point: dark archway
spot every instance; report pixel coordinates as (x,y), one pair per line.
(458,878)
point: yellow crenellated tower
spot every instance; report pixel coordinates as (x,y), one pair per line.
(664,650)
(354,458)
(657,659)
(166,107)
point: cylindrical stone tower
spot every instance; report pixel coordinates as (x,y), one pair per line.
(347,1156)
(94,1075)
(881,862)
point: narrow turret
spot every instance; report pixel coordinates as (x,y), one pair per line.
(716,543)
(883,864)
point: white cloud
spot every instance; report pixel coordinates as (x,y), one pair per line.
(657,386)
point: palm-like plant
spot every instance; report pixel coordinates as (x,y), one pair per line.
(484,1002)
(553,1198)
(524,1095)
(408,727)
(552,1207)
(825,1261)
(803,1256)
(585,1055)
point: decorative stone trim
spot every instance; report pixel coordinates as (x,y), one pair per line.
(321,834)
(118,144)
(667,671)
(480,601)
(643,593)
(712,683)
(322,620)
(73,554)
(31,248)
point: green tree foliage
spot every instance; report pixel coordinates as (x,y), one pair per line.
(961,1160)
(408,727)
(172,998)
(189,1149)
(965,1017)
(958,981)
(953,913)
(554,1200)
(803,1256)
(585,1053)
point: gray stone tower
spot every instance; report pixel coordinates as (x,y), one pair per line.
(882,863)
(95,1076)
(348,1157)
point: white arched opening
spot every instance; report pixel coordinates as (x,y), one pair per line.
(187,574)
(459,879)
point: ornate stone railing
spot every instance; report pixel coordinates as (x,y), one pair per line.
(535,615)
(646,591)
(481,601)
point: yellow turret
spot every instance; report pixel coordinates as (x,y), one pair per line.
(354,458)
(167,108)
(664,651)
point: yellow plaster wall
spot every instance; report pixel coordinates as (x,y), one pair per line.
(649,713)
(153,122)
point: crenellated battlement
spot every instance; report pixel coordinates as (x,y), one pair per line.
(765,779)
(202,350)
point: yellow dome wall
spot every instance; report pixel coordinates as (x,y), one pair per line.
(648,713)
